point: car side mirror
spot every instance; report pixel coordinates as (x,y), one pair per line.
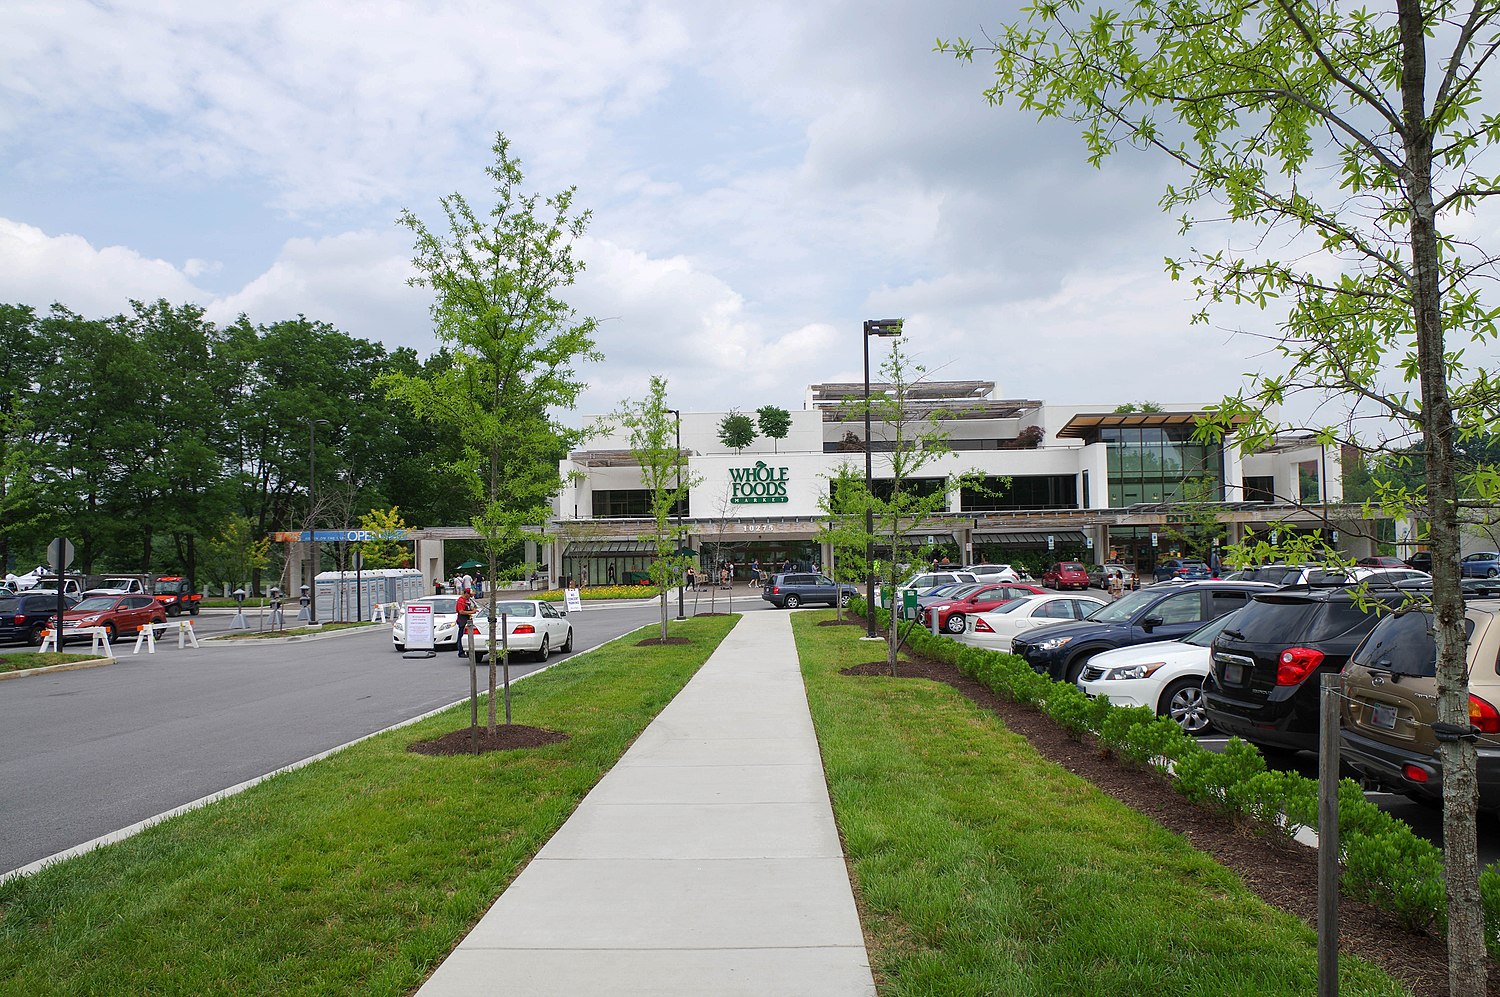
(1150,623)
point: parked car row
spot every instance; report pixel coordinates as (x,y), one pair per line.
(533,627)
(25,616)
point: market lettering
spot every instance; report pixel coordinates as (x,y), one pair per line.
(758,484)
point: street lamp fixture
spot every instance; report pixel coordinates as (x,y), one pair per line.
(677,460)
(884,328)
(312,510)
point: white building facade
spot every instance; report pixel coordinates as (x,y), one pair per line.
(1080,482)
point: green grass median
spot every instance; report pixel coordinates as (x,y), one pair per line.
(985,869)
(356,874)
(25,660)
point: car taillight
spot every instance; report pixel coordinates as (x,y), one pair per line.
(20,619)
(775,589)
(523,628)
(1413,774)
(981,627)
(1296,664)
(1484,716)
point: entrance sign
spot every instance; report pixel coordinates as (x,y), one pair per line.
(758,484)
(419,627)
(572,601)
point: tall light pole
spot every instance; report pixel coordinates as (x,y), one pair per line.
(678,416)
(312,523)
(885,328)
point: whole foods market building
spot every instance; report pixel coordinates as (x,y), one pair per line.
(1080,482)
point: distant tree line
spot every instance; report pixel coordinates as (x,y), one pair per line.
(143,436)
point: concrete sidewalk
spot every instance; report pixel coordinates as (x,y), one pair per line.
(705,862)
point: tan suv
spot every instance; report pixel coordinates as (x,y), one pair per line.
(1390,703)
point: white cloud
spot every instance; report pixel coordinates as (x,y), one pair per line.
(37,269)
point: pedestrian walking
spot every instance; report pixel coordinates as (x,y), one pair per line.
(612,578)
(755,573)
(465,609)
(479,584)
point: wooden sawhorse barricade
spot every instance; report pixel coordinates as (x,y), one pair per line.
(186,635)
(99,637)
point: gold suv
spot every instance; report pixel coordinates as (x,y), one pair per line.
(1390,703)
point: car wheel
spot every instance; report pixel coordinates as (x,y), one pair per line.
(955,624)
(1183,702)
(792,602)
(109,633)
(34,636)
(567,647)
(544,651)
(194,610)
(844,599)
(1075,667)
(174,610)
(1492,573)
(400,648)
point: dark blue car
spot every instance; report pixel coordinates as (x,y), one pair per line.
(1182,569)
(1482,564)
(1161,612)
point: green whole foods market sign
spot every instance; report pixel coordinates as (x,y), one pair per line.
(758,484)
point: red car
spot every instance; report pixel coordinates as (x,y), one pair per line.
(953,616)
(1066,575)
(1381,562)
(120,615)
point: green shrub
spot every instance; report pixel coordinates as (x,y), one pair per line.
(1267,796)
(1489,899)
(1205,777)
(1069,707)
(1400,872)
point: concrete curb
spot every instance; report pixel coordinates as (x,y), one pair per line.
(67,666)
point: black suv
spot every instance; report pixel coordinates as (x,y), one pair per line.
(1161,612)
(23,617)
(791,590)
(1262,683)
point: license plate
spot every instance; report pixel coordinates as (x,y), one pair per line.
(1234,674)
(1383,716)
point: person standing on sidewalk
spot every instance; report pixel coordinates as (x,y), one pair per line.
(465,609)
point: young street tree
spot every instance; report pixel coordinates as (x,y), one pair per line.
(844,528)
(514,345)
(653,441)
(1358,133)
(900,506)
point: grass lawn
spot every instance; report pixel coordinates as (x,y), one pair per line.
(985,869)
(354,875)
(31,659)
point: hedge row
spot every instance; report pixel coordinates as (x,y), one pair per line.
(1384,860)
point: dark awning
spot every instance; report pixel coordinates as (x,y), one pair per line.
(1029,538)
(601,548)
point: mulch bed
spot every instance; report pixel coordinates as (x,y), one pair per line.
(507,737)
(1283,873)
(658,641)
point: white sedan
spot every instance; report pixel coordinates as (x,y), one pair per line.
(993,630)
(444,621)
(536,627)
(1165,676)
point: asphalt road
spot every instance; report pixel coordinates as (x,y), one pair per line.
(88,752)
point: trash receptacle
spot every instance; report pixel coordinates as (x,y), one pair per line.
(909,604)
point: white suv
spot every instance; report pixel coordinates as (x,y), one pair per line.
(993,573)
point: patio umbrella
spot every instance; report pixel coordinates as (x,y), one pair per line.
(470,564)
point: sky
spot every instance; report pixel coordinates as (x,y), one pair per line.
(763,178)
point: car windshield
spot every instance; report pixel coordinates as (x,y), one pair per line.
(1205,634)
(440,607)
(1016,604)
(96,604)
(1071,566)
(1121,610)
(165,588)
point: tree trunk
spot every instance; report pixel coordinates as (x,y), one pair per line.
(1466,953)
